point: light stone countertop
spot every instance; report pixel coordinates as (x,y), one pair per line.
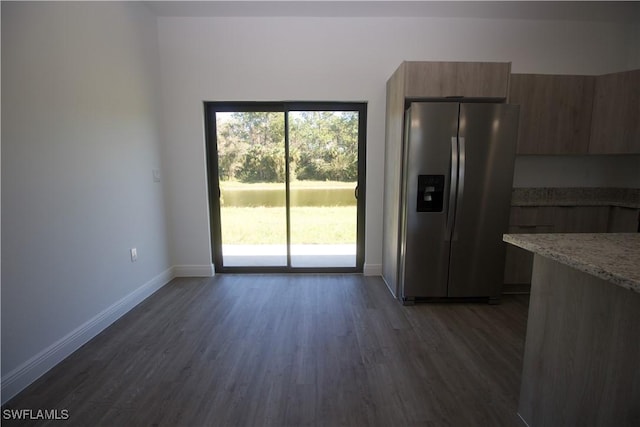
(614,257)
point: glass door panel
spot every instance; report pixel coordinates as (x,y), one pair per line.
(252,182)
(323,177)
(286,185)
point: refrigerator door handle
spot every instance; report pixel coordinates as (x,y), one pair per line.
(453,184)
(461,164)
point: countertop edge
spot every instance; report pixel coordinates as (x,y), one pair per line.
(573,262)
(574,203)
(576,196)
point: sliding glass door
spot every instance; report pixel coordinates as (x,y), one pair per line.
(251,179)
(286,185)
(323,204)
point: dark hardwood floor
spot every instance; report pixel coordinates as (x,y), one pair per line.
(292,350)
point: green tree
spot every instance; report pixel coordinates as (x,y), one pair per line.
(323,146)
(326,143)
(251,146)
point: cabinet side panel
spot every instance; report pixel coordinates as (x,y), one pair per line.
(392,171)
(581,352)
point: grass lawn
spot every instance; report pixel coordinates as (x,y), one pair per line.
(309,225)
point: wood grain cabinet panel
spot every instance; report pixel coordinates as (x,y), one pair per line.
(468,79)
(580,364)
(525,220)
(615,127)
(581,219)
(555,112)
(483,79)
(394,122)
(549,219)
(518,265)
(431,79)
(623,220)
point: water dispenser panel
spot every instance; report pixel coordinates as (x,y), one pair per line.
(430,193)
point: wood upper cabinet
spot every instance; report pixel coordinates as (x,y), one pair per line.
(555,112)
(468,79)
(615,126)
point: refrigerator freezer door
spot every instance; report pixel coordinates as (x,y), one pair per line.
(424,242)
(487,136)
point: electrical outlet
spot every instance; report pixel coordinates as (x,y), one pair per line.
(156,175)
(134,254)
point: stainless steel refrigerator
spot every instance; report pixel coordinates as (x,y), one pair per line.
(457,175)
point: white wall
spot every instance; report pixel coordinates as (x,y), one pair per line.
(338,59)
(80,137)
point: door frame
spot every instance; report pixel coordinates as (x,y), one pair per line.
(213,182)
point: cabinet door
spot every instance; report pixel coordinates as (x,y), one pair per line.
(468,79)
(555,112)
(483,79)
(624,220)
(615,126)
(518,266)
(581,219)
(549,219)
(538,218)
(519,262)
(430,79)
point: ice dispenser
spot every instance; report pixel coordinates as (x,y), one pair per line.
(430,193)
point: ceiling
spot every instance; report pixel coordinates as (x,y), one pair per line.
(605,11)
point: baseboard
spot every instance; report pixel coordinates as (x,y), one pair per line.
(372,270)
(25,374)
(391,291)
(193,270)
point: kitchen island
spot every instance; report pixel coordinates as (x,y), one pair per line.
(581,362)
